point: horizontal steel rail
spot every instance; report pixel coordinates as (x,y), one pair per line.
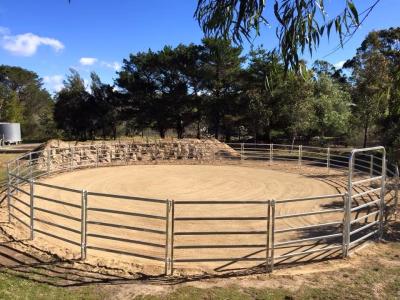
(161,232)
(367,180)
(317,238)
(307,227)
(306,252)
(365,217)
(220,232)
(309,198)
(208,202)
(126,253)
(57,201)
(57,214)
(19,190)
(220,218)
(20,211)
(365,205)
(127,197)
(19,200)
(327,211)
(364,227)
(186,260)
(58,187)
(57,225)
(118,239)
(19,177)
(19,220)
(214,246)
(57,237)
(364,237)
(366,192)
(119,212)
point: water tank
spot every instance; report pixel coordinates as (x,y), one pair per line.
(10,133)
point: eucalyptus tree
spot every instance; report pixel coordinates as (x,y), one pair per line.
(300,23)
(375,75)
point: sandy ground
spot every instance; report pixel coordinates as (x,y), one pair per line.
(180,182)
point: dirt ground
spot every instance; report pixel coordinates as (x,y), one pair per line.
(190,183)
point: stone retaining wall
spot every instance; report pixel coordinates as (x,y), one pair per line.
(57,154)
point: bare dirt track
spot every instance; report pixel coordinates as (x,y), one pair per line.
(177,182)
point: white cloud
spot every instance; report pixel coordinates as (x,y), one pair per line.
(4,30)
(111,65)
(54,82)
(339,64)
(87,61)
(26,44)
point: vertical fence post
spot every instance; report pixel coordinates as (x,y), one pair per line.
(8,193)
(169,237)
(346,224)
(382,203)
(172,235)
(17,181)
(267,238)
(83,223)
(272,234)
(48,161)
(328,158)
(30,165)
(32,208)
(371,166)
(396,191)
(167,218)
(271,153)
(300,154)
(241,152)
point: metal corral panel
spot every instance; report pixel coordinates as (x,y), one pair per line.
(10,132)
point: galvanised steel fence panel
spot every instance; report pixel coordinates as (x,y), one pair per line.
(353,224)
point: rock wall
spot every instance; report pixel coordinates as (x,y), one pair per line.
(60,154)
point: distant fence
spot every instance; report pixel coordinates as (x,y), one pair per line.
(166,231)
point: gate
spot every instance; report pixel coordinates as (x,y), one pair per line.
(365,201)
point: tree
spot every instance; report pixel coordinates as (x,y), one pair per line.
(301,24)
(73,110)
(221,68)
(332,107)
(106,103)
(295,113)
(374,69)
(29,98)
(13,110)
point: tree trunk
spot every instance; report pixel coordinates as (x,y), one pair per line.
(365,135)
(162,132)
(198,130)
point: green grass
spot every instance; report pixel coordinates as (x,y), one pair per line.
(12,287)
(4,158)
(375,282)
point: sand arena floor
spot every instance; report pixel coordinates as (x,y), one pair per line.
(177,182)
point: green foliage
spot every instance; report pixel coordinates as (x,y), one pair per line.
(13,110)
(301,24)
(332,106)
(374,70)
(23,99)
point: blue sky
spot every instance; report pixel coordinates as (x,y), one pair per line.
(51,36)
